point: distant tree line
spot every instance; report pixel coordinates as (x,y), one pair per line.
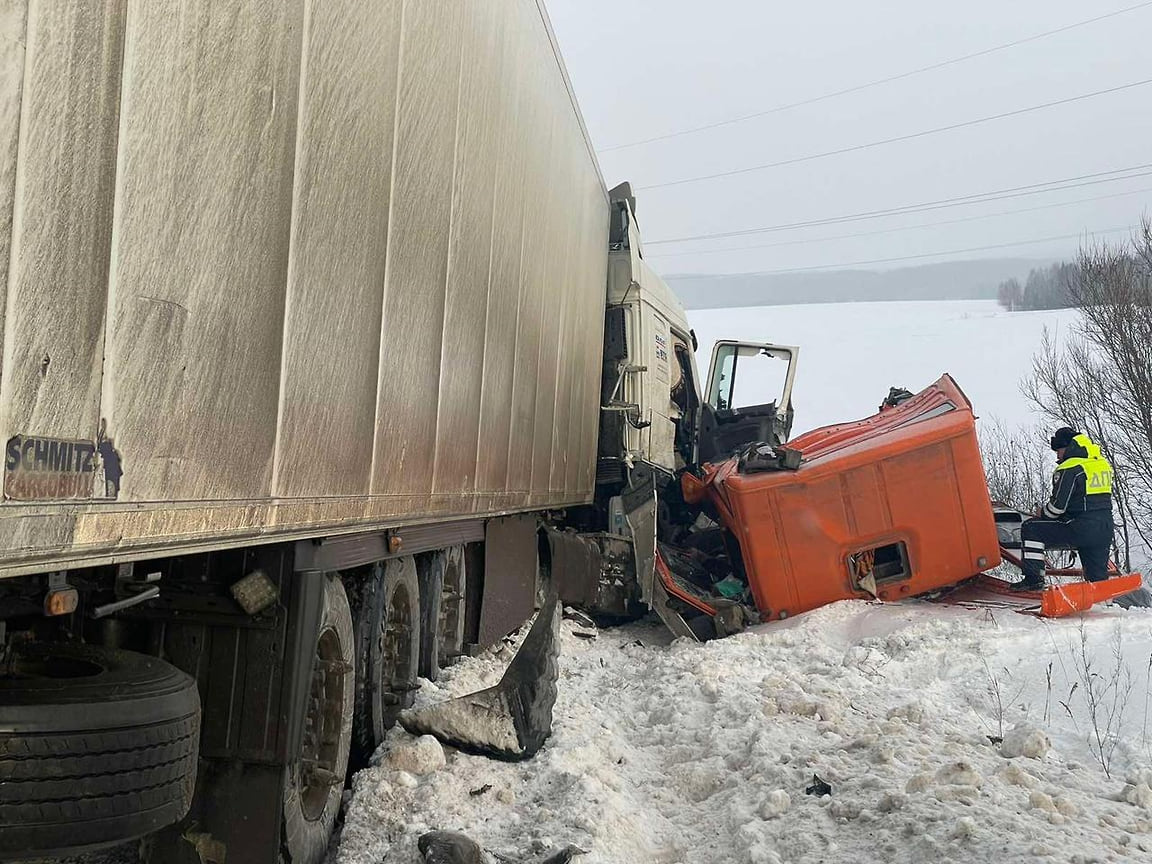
(1045,288)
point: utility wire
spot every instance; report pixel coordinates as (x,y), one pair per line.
(876,83)
(845,264)
(795,160)
(809,240)
(939,204)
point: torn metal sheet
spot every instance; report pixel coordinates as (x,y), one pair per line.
(512,720)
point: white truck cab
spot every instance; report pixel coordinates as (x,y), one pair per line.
(658,383)
(657,406)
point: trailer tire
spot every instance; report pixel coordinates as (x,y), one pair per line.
(388,653)
(443,595)
(106,759)
(314,781)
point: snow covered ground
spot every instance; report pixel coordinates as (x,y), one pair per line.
(679,753)
(676,753)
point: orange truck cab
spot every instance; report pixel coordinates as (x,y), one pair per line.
(887,507)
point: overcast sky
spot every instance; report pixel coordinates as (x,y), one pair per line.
(643,68)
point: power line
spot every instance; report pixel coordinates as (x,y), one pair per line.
(908,137)
(876,83)
(810,240)
(1060,185)
(920,256)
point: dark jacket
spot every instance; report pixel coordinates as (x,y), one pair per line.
(1069,487)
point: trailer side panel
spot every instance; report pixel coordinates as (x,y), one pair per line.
(311,286)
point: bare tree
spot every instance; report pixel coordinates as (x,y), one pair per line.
(1016,465)
(1100,379)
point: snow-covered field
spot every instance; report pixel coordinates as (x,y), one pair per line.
(851,353)
(676,753)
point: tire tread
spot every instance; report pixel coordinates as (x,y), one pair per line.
(67,785)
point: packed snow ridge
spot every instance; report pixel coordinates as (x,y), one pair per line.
(944,733)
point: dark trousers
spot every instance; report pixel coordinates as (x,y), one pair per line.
(1089,533)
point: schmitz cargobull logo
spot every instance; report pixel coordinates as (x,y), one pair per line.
(50,469)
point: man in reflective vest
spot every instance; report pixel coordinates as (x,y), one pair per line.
(1079,513)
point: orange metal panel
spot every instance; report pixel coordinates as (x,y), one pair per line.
(910,475)
(1067,598)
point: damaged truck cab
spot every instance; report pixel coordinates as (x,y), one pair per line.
(707,515)
(888,507)
(660,421)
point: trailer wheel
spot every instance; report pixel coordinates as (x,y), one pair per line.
(314,782)
(388,627)
(97,747)
(442,604)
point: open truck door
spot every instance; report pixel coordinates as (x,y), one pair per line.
(748,398)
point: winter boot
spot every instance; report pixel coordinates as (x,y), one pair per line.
(1028,583)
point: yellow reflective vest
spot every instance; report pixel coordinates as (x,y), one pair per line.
(1097,469)
(1088,462)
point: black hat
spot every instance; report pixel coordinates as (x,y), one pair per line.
(1063,437)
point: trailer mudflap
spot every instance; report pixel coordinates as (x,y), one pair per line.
(512,720)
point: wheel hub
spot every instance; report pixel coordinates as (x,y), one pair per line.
(395,657)
(322,725)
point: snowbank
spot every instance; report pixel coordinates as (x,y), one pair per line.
(674,752)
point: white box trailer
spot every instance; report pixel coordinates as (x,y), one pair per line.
(303,309)
(282,270)
(326,355)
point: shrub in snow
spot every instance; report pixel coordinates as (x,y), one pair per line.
(422,756)
(1024,740)
(864,658)
(1041,801)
